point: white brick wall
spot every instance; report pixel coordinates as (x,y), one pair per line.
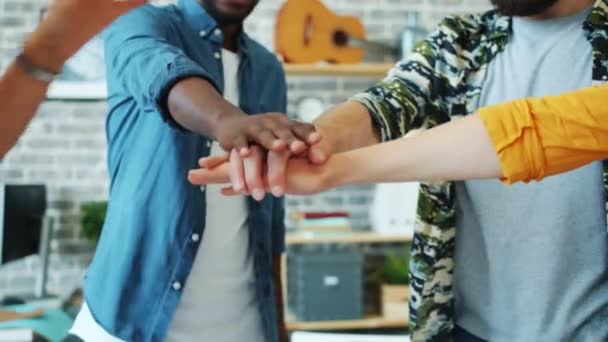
(64,146)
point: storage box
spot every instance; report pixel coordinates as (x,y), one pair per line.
(395,301)
(325,286)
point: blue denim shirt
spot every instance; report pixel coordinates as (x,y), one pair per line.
(149,240)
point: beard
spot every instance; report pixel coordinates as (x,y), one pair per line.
(522,8)
(228,17)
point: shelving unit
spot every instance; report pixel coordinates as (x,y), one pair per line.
(362,324)
(368,323)
(352,238)
(339,70)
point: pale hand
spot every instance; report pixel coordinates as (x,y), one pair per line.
(301,177)
(261,170)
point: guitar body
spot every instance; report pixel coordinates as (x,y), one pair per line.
(308,32)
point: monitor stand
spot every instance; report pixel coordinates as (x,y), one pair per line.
(45,254)
(41,297)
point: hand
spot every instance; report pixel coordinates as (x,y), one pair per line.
(68,25)
(247,171)
(302,177)
(249,174)
(273,131)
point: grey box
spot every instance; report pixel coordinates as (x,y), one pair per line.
(325,286)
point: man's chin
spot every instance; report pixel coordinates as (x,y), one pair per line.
(234,12)
(229,12)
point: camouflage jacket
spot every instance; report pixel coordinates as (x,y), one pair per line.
(440,80)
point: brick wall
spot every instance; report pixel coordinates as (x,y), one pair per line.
(64,146)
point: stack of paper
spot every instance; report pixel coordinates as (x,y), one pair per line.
(323,221)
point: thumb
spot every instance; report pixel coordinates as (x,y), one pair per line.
(319,153)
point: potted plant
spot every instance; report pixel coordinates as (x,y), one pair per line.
(93,215)
(393,277)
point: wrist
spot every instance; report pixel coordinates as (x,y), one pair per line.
(47,56)
(336,171)
(224,120)
(326,140)
(60,34)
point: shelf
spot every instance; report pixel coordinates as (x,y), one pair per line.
(378,70)
(362,324)
(369,323)
(352,238)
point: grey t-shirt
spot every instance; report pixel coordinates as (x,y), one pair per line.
(531,260)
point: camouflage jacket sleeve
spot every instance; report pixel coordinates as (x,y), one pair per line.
(408,98)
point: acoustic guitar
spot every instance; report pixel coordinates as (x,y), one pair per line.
(308,32)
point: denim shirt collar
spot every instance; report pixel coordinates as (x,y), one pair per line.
(206,26)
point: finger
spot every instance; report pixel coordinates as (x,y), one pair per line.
(219,175)
(253,173)
(276,164)
(241,144)
(266,138)
(319,153)
(213,161)
(306,132)
(285,134)
(229,191)
(236,172)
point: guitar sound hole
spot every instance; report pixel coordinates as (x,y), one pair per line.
(340,38)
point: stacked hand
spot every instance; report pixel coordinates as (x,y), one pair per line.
(308,171)
(272,131)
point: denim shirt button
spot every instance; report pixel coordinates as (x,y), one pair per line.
(195,237)
(177,286)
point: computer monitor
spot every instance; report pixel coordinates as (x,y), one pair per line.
(22,209)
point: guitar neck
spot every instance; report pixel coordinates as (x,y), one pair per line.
(369,45)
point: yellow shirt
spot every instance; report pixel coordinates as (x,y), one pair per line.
(537,138)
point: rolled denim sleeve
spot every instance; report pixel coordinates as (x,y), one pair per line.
(141,59)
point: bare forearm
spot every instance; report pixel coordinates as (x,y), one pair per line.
(197,106)
(21,94)
(67,26)
(347,126)
(458,150)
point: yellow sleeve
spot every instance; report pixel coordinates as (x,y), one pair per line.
(537,138)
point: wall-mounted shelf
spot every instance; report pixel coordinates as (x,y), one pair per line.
(377,70)
(339,238)
(362,324)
